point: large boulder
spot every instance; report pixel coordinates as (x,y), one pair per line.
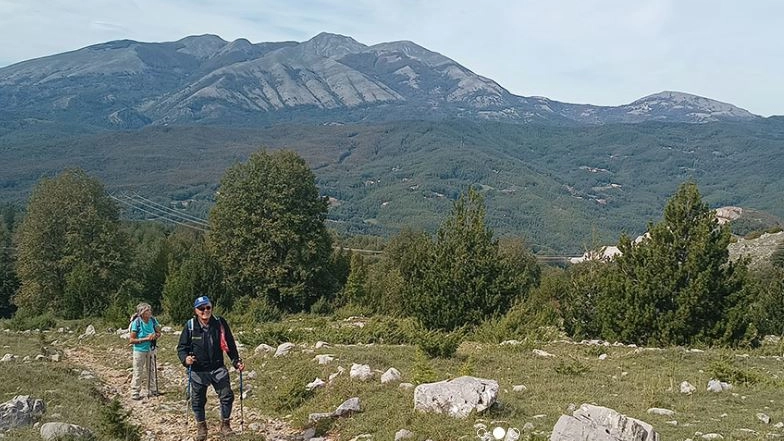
(456,398)
(20,411)
(596,423)
(56,431)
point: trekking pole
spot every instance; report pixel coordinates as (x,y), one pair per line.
(188,397)
(242,413)
(155,370)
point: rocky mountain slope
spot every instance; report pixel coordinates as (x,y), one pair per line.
(130,84)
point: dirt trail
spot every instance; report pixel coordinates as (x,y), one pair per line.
(164,418)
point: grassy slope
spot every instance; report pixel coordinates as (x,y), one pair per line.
(629,380)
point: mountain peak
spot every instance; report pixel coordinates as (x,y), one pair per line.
(201,46)
(333,45)
(695,107)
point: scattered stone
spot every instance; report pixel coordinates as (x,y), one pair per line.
(718,386)
(89,332)
(511,342)
(40,357)
(361,372)
(324,358)
(403,434)
(541,353)
(55,431)
(687,388)
(321,344)
(603,357)
(251,375)
(54,357)
(710,436)
(527,427)
(519,388)
(332,376)
(364,436)
(20,411)
(661,411)
(405,386)
(315,384)
(316,417)
(764,418)
(456,398)
(392,375)
(7,357)
(672,422)
(779,425)
(284,349)
(347,407)
(591,422)
(263,349)
(309,433)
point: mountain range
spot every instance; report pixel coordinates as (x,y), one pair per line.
(394,133)
(329,78)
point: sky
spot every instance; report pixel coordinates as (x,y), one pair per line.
(603,52)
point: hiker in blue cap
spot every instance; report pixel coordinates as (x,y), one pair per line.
(202,344)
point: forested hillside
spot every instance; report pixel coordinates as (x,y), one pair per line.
(562,188)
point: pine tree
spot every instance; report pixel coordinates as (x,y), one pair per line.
(462,278)
(677,286)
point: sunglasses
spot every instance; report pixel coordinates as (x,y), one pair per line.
(204,308)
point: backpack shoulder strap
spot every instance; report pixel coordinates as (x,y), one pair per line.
(136,322)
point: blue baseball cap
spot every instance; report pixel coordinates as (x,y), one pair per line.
(201,301)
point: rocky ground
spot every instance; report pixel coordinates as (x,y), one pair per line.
(759,250)
(165,417)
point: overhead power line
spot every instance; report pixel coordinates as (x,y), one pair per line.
(177,213)
(159,214)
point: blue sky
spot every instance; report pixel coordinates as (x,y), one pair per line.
(607,52)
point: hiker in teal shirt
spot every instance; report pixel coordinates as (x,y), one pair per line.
(145,330)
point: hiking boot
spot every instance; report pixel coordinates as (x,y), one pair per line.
(225,429)
(201,431)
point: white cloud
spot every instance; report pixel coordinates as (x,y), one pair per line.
(598,51)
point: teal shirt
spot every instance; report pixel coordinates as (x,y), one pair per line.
(143,330)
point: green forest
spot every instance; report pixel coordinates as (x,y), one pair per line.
(266,253)
(562,188)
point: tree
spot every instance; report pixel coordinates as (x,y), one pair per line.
(72,255)
(268,232)
(193,271)
(462,278)
(354,290)
(678,285)
(150,260)
(9,283)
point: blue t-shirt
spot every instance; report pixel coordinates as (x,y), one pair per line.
(143,330)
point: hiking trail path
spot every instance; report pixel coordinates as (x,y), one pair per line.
(165,417)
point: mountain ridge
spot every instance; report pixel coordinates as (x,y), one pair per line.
(203,78)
